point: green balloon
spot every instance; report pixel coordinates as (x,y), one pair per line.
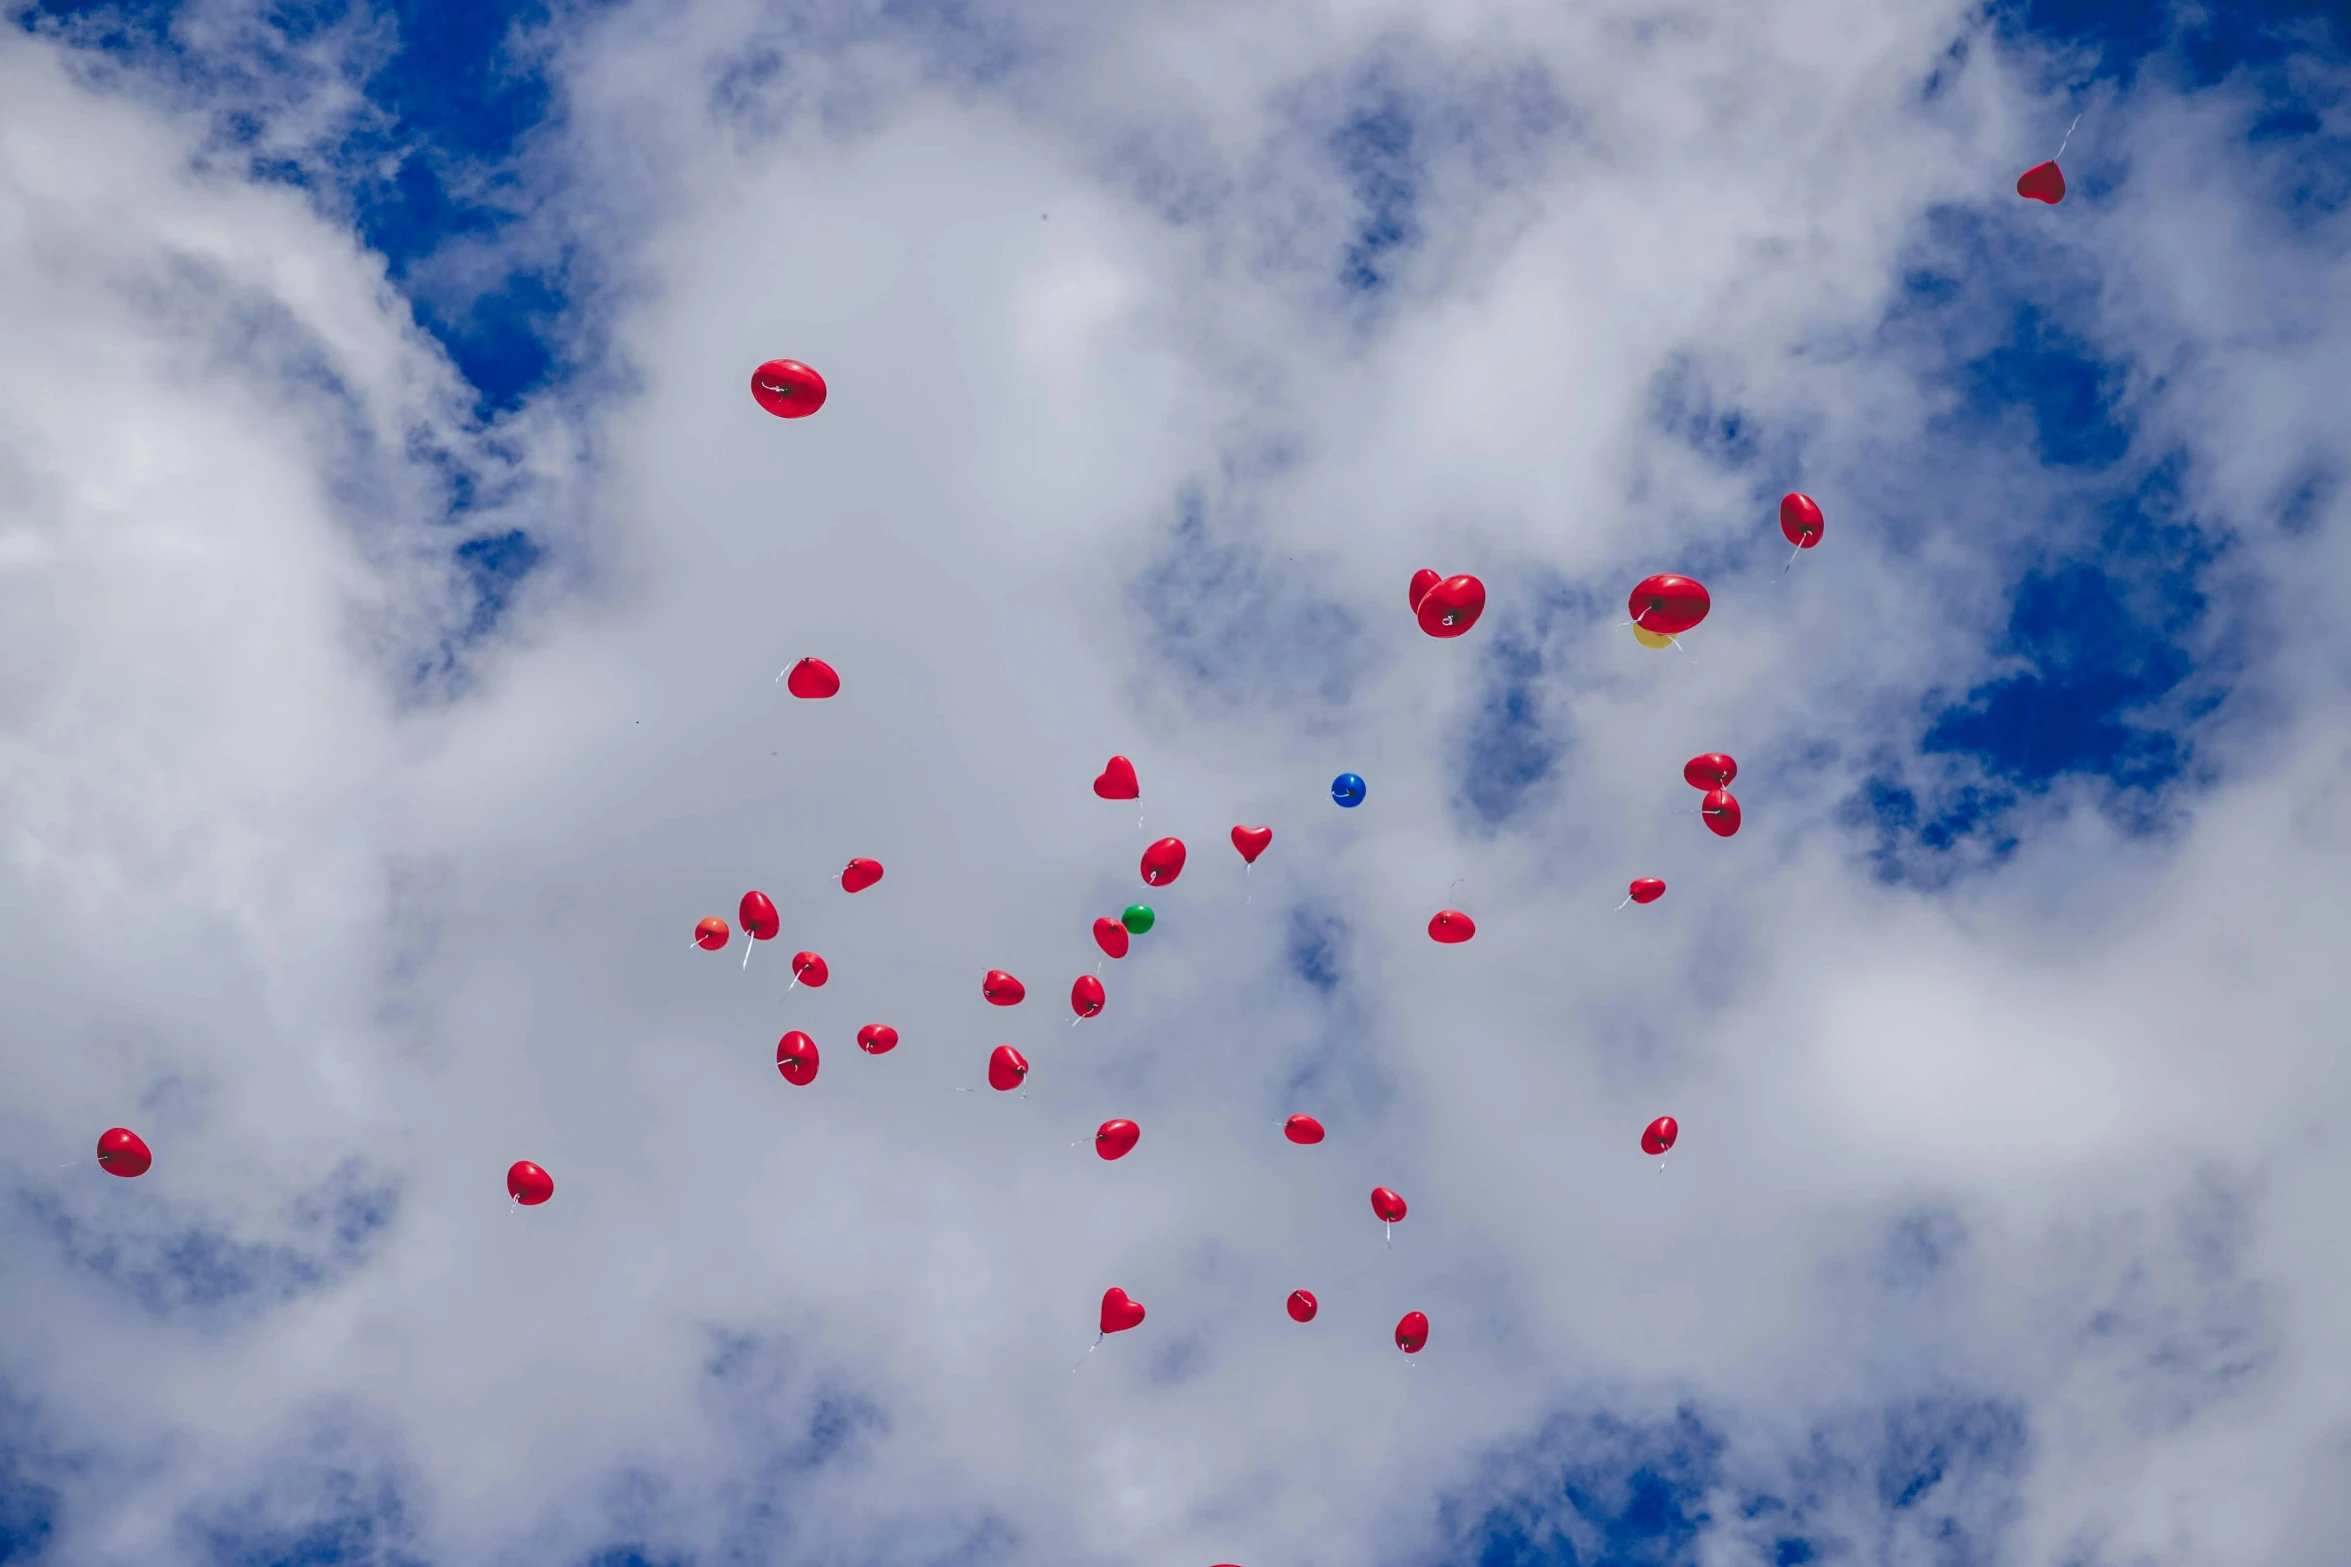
(1139,918)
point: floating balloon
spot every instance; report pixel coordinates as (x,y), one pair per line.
(1119,1313)
(877,1039)
(1451,927)
(1303,1305)
(1110,936)
(1163,862)
(1711,771)
(1668,604)
(2042,182)
(1659,1135)
(711,933)
(1800,520)
(1117,781)
(1451,607)
(758,917)
(1002,989)
(1138,918)
(812,679)
(1651,639)
(1251,841)
(1721,810)
(1007,1069)
(1647,889)
(809,969)
(1422,580)
(1304,1130)
(787,388)
(1113,1139)
(1412,1332)
(797,1059)
(858,875)
(124,1152)
(527,1184)
(1387,1205)
(1086,996)
(1348,789)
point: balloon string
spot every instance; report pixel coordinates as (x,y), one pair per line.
(1391,1237)
(1088,1355)
(1628,899)
(1792,554)
(748,943)
(2077,119)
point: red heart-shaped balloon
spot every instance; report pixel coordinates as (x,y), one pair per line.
(1303,1129)
(2042,182)
(1422,580)
(810,970)
(1711,771)
(1451,927)
(1251,841)
(1646,890)
(1118,1312)
(812,679)
(797,1059)
(1387,1205)
(858,875)
(528,1184)
(1303,1305)
(1163,862)
(1118,781)
(1113,1139)
(877,1039)
(710,933)
(124,1152)
(1659,1135)
(1002,989)
(1412,1332)
(1111,936)
(787,388)
(1800,520)
(757,915)
(1452,606)
(1667,605)
(1007,1068)
(1721,810)
(1086,996)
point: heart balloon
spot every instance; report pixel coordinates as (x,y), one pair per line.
(810,970)
(1111,936)
(1452,606)
(1451,927)
(124,1152)
(1711,771)
(1387,1205)
(1002,989)
(1113,1139)
(797,1059)
(1163,862)
(1721,810)
(1118,1312)
(1007,1069)
(527,1184)
(1251,841)
(1086,996)
(1422,580)
(1659,1135)
(1412,1332)
(1667,605)
(1646,890)
(1304,1130)
(1801,523)
(1117,781)
(787,388)
(1303,1305)
(710,933)
(812,679)
(758,917)
(2042,182)
(858,875)
(877,1039)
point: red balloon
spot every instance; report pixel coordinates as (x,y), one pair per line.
(1251,841)
(1711,771)
(1112,1139)
(527,1184)
(1721,810)
(1111,936)
(1007,1069)
(758,917)
(877,1039)
(1668,604)
(1303,1130)
(813,679)
(1412,1332)
(1086,996)
(1118,1312)
(787,388)
(710,934)
(1800,520)
(2042,182)
(858,875)
(1422,580)
(1163,862)
(1002,989)
(1451,927)
(810,970)
(124,1152)
(1659,1134)
(1387,1205)
(1303,1305)
(1648,889)
(797,1059)
(1117,781)
(1452,606)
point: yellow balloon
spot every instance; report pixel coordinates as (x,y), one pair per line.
(1648,638)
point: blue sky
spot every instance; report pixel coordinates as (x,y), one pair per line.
(1395,294)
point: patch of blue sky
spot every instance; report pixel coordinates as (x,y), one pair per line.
(31,1504)
(335,1498)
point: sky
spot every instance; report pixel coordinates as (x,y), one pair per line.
(394,577)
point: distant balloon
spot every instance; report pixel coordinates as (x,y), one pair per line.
(1412,1332)
(710,933)
(1110,936)
(758,917)
(1117,781)
(1251,841)
(810,970)
(1119,1313)
(527,1184)
(1422,580)
(1001,989)
(1659,1135)
(1668,604)
(1303,1129)
(858,875)
(1721,810)
(1451,607)
(1007,1069)
(1647,889)
(1711,771)
(2042,182)
(1451,927)
(124,1152)
(1800,520)
(812,679)
(1086,996)
(1163,862)
(1387,1205)
(1651,639)
(787,388)
(797,1059)
(1303,1306)
(877,1039)
(1113,1139)
(1348,789)
(1138,918)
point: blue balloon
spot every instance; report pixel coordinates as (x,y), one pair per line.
(1347,789)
